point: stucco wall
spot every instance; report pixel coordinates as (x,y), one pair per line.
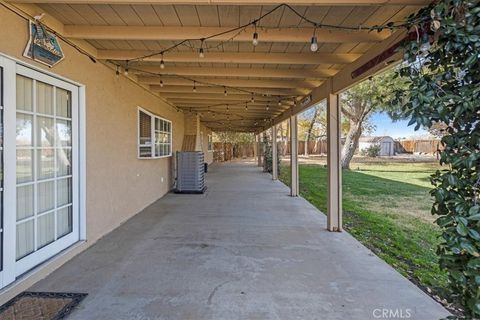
(191,129)
(118,184)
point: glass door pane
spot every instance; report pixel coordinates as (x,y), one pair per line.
(44,165)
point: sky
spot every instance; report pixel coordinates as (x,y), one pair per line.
(398,129)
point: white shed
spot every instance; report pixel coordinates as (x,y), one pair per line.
(386,143)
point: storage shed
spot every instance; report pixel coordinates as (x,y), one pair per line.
(386,143)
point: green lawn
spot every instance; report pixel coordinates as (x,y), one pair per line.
(387,208)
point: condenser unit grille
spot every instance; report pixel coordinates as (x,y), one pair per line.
(190,172)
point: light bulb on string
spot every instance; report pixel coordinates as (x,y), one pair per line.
(161,83)
(313,42)
(279,103)
(253,99)
(162,64)
(267,108)
(201,54)
(225,91)
(117,72)
(246,106)
(255,35)
(194,87)
(126,68)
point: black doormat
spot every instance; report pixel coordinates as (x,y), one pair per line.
(40,305)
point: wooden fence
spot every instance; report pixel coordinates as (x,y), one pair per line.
(418,146)
(228,151)
(225,151)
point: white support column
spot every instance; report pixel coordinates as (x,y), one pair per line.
(334,193)
(259,150)
(274,153)
(294,156)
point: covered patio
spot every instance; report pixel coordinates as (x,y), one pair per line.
(138,81)
(243,250)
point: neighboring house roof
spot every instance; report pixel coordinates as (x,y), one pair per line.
(374,139)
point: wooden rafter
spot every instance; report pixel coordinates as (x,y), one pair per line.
(204,89)
(237,2)
(239,83)
(239,72)
(233,57)
(180,33)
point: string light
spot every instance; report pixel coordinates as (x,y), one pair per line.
(194,87)
(313,42)
(279,103)
(246,106)
(117,72)
(253,99)
(255,35)
(162,64)
(267,108)
(161,83)
(126,68)
(200,51)
(225,91)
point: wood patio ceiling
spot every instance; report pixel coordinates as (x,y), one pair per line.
(280,68)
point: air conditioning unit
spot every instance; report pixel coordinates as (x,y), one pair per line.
(190,172)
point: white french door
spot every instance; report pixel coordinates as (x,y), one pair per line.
(40,168)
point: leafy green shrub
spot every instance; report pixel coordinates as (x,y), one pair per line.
(268,159)
(443,86)
(372,151)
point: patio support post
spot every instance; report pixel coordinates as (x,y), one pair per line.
(334,192)
(274,153)
(259,150)
(294,156)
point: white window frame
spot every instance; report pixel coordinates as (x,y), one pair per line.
(12,269)
(153,117)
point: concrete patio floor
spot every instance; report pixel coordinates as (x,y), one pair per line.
(243,250)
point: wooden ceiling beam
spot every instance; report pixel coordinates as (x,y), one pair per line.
(169,33)
(220,96)
(239,72)
(237,2)
(239,83)
(232,57)
(204,89)
(223,103)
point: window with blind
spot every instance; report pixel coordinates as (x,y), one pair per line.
(154,136)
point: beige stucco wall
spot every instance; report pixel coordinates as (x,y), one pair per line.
(191,129)
(118,184)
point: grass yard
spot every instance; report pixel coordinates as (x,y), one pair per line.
(387,208)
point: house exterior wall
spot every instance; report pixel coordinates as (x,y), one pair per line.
(118,184)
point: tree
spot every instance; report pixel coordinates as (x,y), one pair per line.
(233,137)
(438,129)
(358,103)
(442,74)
